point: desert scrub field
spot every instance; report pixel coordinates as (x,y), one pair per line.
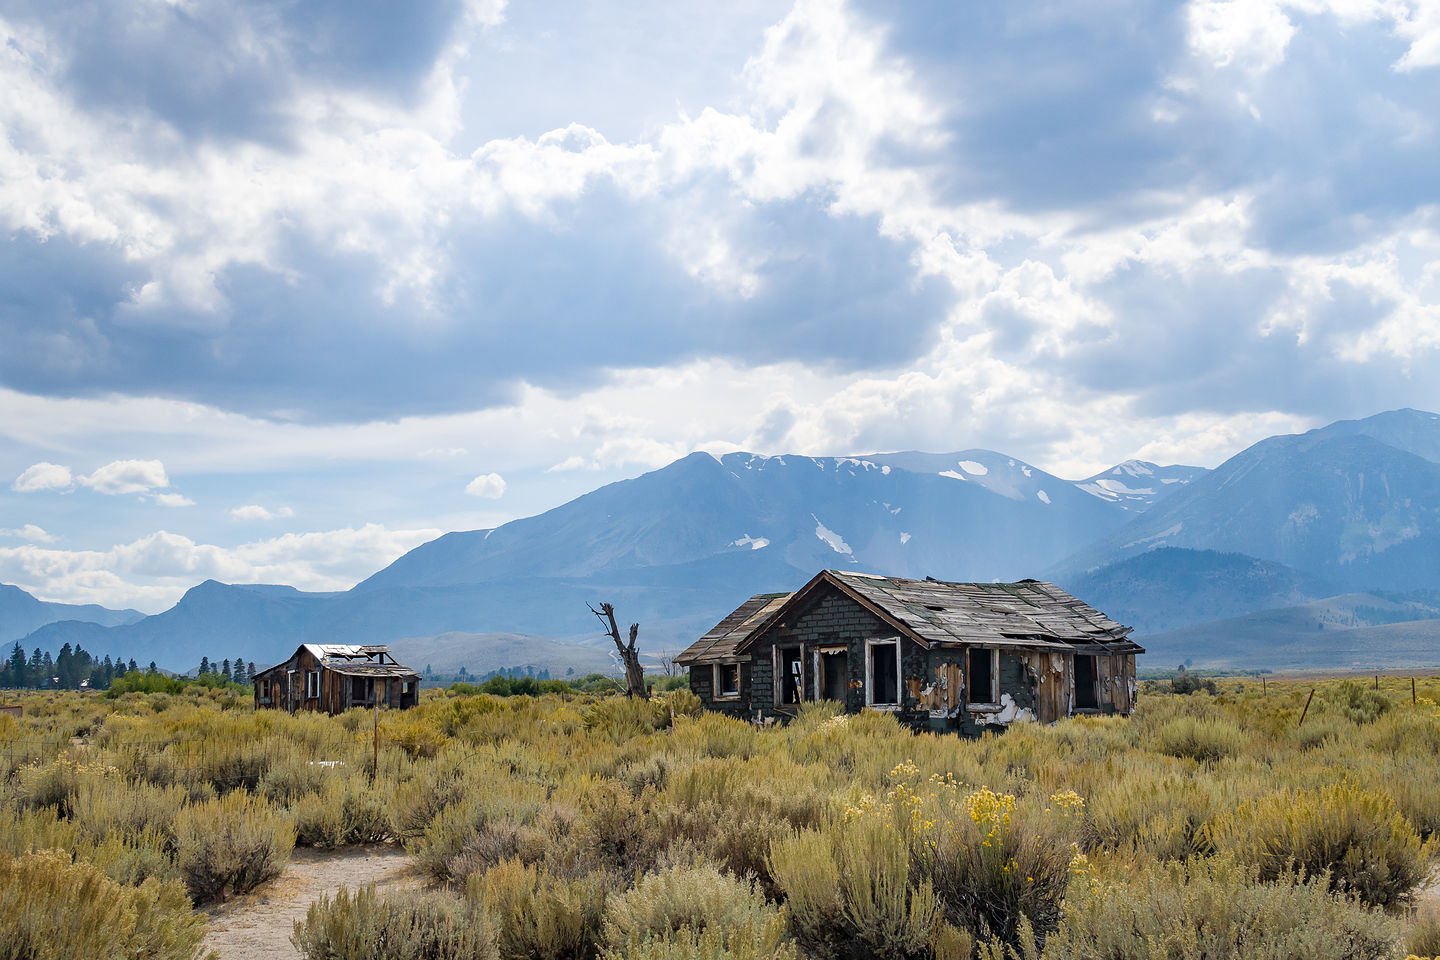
(1208,825)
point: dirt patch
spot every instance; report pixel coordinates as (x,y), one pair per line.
(257,926)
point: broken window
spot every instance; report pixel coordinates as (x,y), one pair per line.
(312,685)
(982,675)
(727,680)
(884,671)
(1085,698)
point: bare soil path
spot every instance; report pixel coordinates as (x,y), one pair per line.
(257,926)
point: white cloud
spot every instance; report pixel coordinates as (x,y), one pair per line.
(173,500)
(489,486)
(43,476)
(152,572)
(29,532)
(253,511)
(127,476)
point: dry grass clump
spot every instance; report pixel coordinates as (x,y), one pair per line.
(231,845)
(1213,908)
(344,811)
(539,915)
(1355,836)
(412,926)
(695,897)
(1204,739)
(53,909)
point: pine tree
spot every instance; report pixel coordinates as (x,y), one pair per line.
(225,670)
(15,668)
(204,666)
(250,671)
(152,669)
(133,666)
(240,675)
(35,670)
(47,670)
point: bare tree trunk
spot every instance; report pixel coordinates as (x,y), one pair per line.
(629,655)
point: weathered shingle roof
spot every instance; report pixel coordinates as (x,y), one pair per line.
(362,668)
(719,644)
(1030,613)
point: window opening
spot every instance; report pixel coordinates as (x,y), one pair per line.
(884,673)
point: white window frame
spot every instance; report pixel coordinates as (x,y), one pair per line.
(994,681)
(720,694)
(312,684)
(870,645)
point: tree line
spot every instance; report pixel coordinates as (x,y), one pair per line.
(75,668)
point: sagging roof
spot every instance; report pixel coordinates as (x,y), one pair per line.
(352,659)
(353,668)
(348,651)
(718,646)
(1030,613)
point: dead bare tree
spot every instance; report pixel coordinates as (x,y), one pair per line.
(629,655)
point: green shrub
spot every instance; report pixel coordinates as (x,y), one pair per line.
(103,805)
(695,897)
(52,909)
(765,940)
(346,811)
(1205,740)
(1354,701)
(231,845)
(1355,836)
(620,718)
(538,915)
(1213,908)
(413,926)
(994,862)
(848,892)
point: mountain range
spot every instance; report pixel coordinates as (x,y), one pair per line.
(1351,509)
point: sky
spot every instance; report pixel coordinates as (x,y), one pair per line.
(288,288)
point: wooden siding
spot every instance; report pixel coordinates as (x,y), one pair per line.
(286,686)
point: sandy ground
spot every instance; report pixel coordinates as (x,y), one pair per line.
(257,926)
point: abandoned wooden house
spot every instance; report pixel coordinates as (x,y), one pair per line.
(941,656)
(334,677)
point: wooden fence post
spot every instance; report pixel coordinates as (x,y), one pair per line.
(1306,710)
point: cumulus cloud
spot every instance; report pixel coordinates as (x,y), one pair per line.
(172,500)
(29,532)
(488,486)
(127,476)
(43,476)
(152,571)
(253,511)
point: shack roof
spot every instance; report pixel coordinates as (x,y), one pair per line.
(352,659)
(718,646)
(1030,613)
(353,668)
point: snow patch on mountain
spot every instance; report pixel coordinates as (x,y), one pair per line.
(836,542)
(973,468)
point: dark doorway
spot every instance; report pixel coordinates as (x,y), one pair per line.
(792,676)
(982,677)
(835,675)
(1085,698)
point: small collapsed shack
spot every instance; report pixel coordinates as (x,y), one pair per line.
(942,656)
(334,677)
